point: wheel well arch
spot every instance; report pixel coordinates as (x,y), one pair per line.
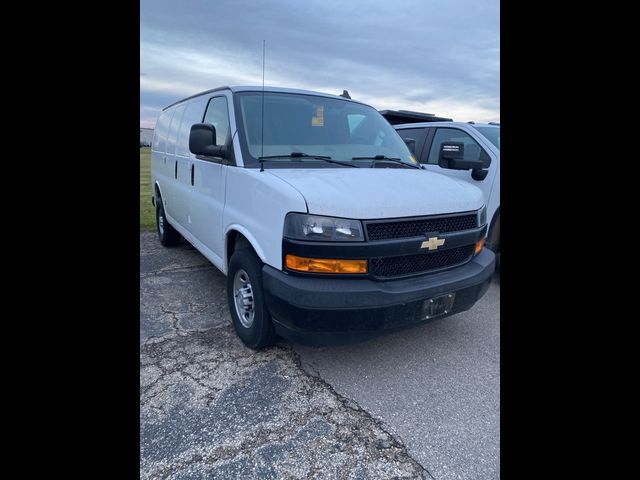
(156,190)
(235,239)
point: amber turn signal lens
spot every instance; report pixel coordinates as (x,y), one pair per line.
(324,265)
(479,246)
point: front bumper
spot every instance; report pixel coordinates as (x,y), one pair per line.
(320,311)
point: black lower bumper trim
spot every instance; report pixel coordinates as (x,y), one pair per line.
(321,310)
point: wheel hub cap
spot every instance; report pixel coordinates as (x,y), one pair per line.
(243,298)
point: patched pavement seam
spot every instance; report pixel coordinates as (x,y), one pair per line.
(201,390)
(363,436)
(353,405)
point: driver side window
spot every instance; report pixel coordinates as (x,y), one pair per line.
(218,115)
(472,150)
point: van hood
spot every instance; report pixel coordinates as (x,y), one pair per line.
(369,193)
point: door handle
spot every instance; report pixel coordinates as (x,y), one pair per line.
(175,170)
(192,168)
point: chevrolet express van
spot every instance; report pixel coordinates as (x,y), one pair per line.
(314,208)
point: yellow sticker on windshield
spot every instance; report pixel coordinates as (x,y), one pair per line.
(318,120)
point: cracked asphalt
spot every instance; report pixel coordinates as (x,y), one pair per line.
(212,408)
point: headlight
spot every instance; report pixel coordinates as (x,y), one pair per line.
(482,216)
(322,229)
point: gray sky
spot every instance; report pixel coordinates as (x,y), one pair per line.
(436,56)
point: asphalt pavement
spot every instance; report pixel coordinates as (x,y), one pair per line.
(421,403)
(437,387)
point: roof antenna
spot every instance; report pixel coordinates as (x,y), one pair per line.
(262,133)
(345,94)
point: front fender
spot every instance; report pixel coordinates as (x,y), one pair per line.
(256,206)
(250,238)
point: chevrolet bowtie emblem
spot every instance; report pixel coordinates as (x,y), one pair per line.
(433,243)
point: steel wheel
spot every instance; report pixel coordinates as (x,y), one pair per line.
(161,224)
(247,306)
(243,297)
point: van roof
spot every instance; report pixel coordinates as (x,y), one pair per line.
(245,88)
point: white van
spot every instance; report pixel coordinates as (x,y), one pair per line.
(481,143)
(320,217)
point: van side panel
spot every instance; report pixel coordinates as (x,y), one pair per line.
(183,158)
(259,201)
(202,248)
(207,204)
(180,175)
(161,171)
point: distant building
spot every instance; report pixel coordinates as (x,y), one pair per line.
(146,136)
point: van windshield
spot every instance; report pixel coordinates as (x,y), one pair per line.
(315,126)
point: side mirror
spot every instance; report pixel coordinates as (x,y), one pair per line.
(202,141)
(479,174)
(411,143)
(452,157)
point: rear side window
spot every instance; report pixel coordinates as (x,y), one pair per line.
(417,134)
(192,115)
(161,129)
(218,115)
(173,129)
(472,150)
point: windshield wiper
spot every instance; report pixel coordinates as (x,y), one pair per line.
(295,155)
(386,159)
(300,155)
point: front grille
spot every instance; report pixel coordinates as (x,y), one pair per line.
(419,227)
(389,267)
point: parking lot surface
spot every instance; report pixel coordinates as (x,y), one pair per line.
(422,403)
(437,387)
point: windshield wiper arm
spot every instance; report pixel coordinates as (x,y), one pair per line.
(300,155)
(386,159)
(295,155)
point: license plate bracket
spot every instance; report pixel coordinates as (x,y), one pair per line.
(438,306)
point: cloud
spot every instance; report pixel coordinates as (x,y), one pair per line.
(441,56)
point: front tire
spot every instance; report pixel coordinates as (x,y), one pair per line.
(251,318)
(168,236)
